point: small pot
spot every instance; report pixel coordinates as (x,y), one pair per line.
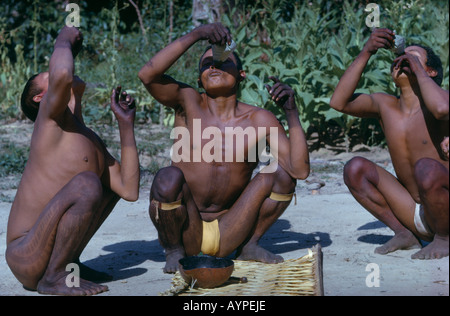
(206,271)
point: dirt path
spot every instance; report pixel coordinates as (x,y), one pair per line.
(127,247)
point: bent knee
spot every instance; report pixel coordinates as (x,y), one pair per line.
(88,185)
(356,165)
(167,184)
(284,183)
(430,174)
(356,169)
(26,275)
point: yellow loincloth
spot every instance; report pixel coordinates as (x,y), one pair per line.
(211,233)
(211,238)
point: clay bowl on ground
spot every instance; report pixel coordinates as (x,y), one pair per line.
(205,271)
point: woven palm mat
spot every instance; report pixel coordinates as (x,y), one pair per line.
(299,277)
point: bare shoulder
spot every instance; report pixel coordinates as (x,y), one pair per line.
(193,100)
(46,130)
(384,100)
(189,93)
(260,116)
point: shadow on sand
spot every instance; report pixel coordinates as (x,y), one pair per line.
(374,239)
(279,239)
(123,258)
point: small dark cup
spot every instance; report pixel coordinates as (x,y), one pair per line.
(206,271)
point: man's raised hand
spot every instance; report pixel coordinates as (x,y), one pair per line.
(215,33)
(408,63)
(380,38)
(123,105)
(282,94)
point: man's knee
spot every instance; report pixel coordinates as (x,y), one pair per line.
(168,184)
(429,174)
(88,186)
(355,170)
(284,183)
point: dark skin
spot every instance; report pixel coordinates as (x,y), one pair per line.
(416,129)
(445,147)
(221,190)
(71,183)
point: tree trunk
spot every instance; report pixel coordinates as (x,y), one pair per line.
(206,11)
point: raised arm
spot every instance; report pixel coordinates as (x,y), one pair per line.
(292,153)
(61,70)
(434,97)
(344,98)
(161,86)
(123,177)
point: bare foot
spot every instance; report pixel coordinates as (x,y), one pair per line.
(437,249)
(172,257)
(256,253)
(401,241)
(58,286)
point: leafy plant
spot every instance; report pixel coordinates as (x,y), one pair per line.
(307,44)
(311,47)
(12,158)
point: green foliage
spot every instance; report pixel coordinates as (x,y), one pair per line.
(307,44)
(12,158)
(312,46)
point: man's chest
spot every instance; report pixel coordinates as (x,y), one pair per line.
(410,138)
(74,150)
(211,140)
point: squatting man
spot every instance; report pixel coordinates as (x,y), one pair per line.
(216,207)
(414,203)
(70,183)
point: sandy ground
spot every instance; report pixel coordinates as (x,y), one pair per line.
(127,247)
